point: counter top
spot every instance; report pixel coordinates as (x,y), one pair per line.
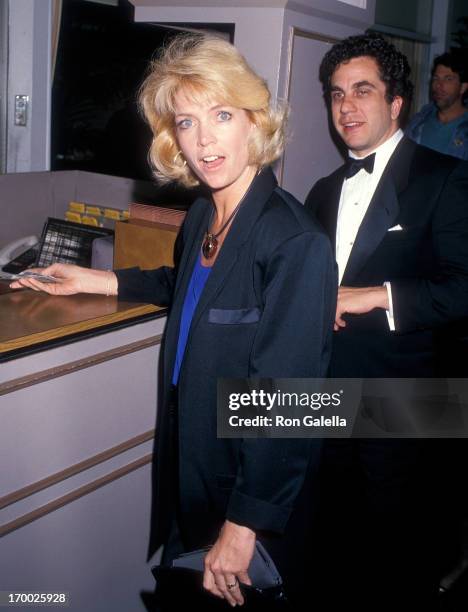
(29,318)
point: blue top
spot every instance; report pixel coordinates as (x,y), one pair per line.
(457,143)
(195,288)
(437,135)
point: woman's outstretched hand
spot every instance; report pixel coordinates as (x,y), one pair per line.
(226,564)
(70,280)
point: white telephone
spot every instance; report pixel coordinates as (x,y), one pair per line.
(15,248)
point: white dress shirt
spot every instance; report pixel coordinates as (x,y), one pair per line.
(356,195)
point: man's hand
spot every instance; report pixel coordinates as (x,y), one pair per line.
(359,300)
(227,562)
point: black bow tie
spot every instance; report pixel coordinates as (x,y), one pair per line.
(354,165)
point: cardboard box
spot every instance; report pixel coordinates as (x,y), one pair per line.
(143,243)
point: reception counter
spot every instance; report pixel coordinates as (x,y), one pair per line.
(31,320)
(78,391)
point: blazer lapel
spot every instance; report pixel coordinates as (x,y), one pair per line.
(380,216)
(239,233)
(383,210)
(191,252)
(189,255)
(241,228)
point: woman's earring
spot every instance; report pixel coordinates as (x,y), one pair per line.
(177,156)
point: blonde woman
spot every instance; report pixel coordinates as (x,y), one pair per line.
(252,295)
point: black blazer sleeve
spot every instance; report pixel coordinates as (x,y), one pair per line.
(154,286)
(293,340)
(298,310)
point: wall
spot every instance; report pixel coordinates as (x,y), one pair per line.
(307,35)
(3,80)
(258,30)
(459,8)
(27,199)
(29,74)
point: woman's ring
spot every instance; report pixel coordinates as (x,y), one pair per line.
(231,586)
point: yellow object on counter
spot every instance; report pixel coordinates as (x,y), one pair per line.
(73,216)
(112,213)
(89,221)
(94,210)
(78,207)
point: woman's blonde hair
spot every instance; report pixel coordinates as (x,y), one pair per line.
(207,68)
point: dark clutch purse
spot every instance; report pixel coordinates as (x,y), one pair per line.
(182,584)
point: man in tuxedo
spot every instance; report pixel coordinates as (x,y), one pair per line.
(397,215)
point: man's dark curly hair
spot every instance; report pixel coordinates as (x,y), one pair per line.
(393,66)
(457,63)
(454,61)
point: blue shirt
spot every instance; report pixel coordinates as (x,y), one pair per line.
(458,144)
(195,288)
(438,135)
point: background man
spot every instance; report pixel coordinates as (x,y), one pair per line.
(443,124)
(397,216)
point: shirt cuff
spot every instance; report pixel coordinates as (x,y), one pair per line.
(389,312)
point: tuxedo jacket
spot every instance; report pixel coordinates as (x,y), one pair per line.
(267,310)
(426,262)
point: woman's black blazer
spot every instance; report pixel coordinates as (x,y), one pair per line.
(267,310)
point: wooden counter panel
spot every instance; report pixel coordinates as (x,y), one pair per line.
(28,317)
